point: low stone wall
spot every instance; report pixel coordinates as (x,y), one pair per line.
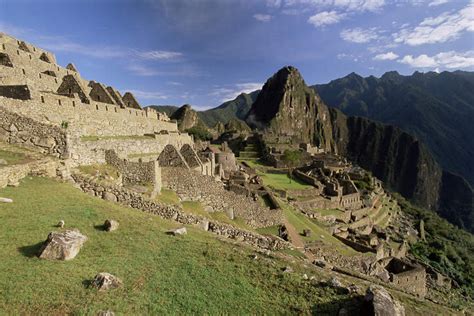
(12,174)
(135,172)
(355,245)
(17,129)
(191,186)
(138,201)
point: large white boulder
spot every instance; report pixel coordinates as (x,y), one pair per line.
(62,245)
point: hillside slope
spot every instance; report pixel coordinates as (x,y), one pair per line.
(436,108)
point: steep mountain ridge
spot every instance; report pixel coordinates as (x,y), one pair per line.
(287,107)
(436,108)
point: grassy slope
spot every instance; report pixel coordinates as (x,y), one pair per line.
(161,273)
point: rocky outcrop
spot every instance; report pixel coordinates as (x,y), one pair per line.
(379,302)
(287,108)
(187,118)
(105,281)
(62,245)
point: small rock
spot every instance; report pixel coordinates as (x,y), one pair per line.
(353,289)
(288,269)
(5,200)
(180,231)
(3,162)
(334,282)
(111,225)
(204,225)
(105,281)
(62,245)
(306,232)
(343,312)
(61,224)
(320,263)
(305,277)
(106,313)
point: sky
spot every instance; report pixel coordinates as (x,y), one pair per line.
(204,52)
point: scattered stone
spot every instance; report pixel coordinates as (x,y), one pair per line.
(353,289)
(287,269)
(3,162)
(179,231)
(106,313)
(111,225)
(382,303)
(307,232)
(254,257)
(62,245)
(334,282)
(5,200)
(61,224)
(204,225)
(105,281)
(109,197)
(305,277)
(320,263)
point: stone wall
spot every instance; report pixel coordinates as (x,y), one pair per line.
(17,129)
(20,92)
(136,172)
(191,186)
(12,174)
(138,201)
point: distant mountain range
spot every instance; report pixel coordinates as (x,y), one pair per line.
(437,108)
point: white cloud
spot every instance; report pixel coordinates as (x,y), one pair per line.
(148,94)
(158,54)
(143,71)
(445,27)
(437,2)
(450,60)
(348,5)
(326,18)
(386,56)
(359,35)
(262,17)
(230,92)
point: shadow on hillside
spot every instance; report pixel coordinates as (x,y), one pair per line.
(32,250)
(351,305)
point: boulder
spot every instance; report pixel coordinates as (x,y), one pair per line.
(109,197)
(105,281)
(179,231)
(381,302)
(5,200)
(61,224)
(334,282)
(111,225)
(62,245)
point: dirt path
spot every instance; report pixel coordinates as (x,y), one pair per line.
(296,239)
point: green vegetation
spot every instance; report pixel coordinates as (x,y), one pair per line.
(101,170)
(199,132)
(448,249)
(13,158)
(168,197)
(282,181)
(118,137)
(292,157)
(162,274)
(365,183)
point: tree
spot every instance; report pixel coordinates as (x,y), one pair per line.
(292,159)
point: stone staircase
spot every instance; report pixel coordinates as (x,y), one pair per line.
(251,149)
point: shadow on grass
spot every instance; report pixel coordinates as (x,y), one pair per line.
(351,306)
(32,250)
(100,227)
(87,283)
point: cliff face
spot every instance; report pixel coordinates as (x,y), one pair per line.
(287,108)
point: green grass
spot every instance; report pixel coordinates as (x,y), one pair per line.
(270,230)
(100,169)
(301,222)
(13,158)
(282,182)
(162,274)
(168,197)
(93,138)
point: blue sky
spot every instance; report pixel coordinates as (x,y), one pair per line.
(203,52)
